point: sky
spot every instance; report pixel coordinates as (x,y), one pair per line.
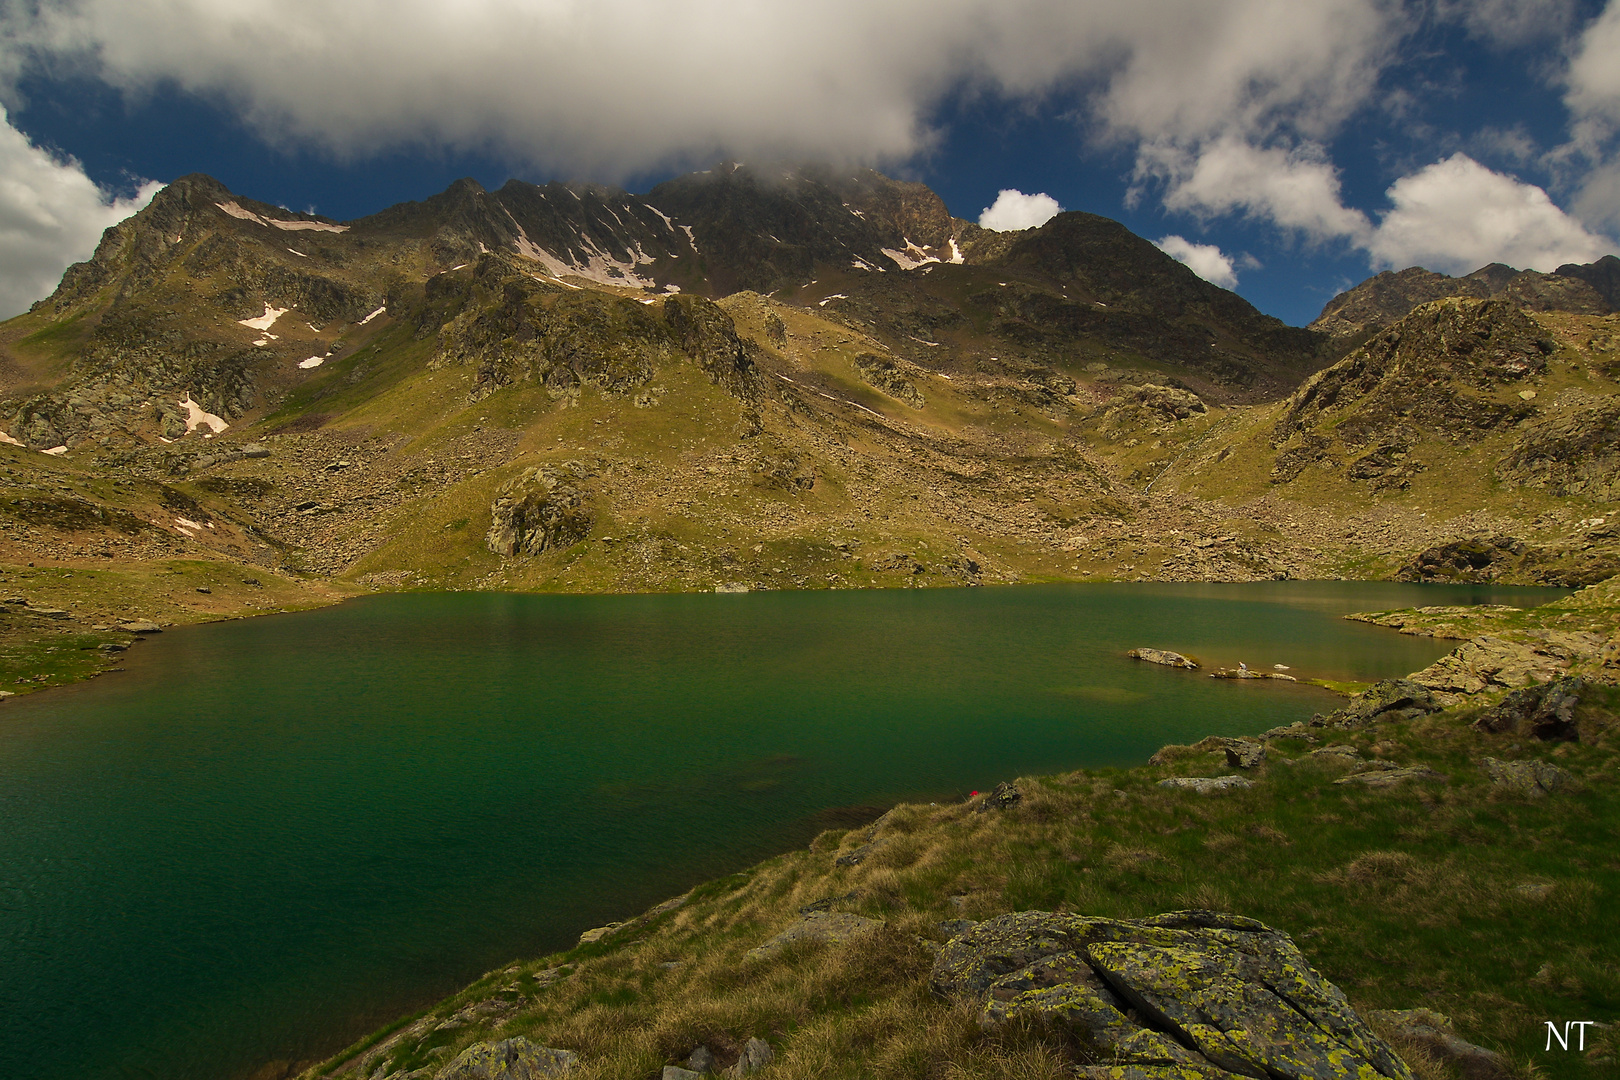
(1285,149)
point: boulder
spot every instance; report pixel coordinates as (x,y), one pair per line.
(819,926)
(756,1054)
(140,626)
(542,509)
(510,1059)
(1392,699)
(1531,777)
(1164,657)
(1245,753)
(675,1072)
(1207,785)
(701,1061)
(1185,995)
(1546,712)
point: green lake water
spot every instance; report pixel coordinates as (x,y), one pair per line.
(265,838)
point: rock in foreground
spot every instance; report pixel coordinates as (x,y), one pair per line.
(509,1059)
(1187,994)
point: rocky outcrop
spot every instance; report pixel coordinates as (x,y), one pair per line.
(541,509)
(1186,994)
(1492,662)
(1478,559)
(1390,700)
(509,1059)
(1532,777)
(1431,373)
(891,377)
(1386,298)
(1164,657)
(1545,712)
(1571,448)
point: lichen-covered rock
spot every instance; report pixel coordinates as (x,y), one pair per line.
(1532,777)
(1191,994)
(1164,657)
(541,509)
(1002,797)
(819,926)
(510,1059)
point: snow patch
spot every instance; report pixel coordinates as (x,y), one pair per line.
(267,320)
(668,224)
(691,237)
(314,361)
(8,440)
(956,252)
(920,341)
(862,264)
(186,527)
(197,416)
(380,311)
(298,253)
(830,299)
(598,267)
(912,257)
(237,211)
(55,451)
(259,343)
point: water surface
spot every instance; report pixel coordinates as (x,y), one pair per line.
(266,837)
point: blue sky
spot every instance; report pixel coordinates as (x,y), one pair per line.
(1286,149)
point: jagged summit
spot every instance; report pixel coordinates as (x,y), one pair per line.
(1383,299)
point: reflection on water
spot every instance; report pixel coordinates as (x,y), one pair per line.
(267,837)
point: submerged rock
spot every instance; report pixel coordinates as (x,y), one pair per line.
(1190,994)
(1164,657)
(510,1059)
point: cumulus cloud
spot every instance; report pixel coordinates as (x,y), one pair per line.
(1013,210)
(1296,188)
(1593,97)
(607,87)
(51,215)
(1205,260)
(1511,22)
(1456,215)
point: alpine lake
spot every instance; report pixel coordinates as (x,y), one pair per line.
(265,838)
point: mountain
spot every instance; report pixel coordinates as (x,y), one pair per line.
(1587,289)
(749,377)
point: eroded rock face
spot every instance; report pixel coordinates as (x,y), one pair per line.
(542,509)
(509,1059)
(1187,994)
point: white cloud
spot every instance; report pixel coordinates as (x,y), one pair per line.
(1511,22)
(1205,260)
(608,87)
(1456,215)
(1593,97)
(1013,210)
(51,215)
(1296,188)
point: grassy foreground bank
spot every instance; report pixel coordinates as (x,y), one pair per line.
(1449,893)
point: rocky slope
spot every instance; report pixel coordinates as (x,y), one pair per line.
(568,387)
(1580,289)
